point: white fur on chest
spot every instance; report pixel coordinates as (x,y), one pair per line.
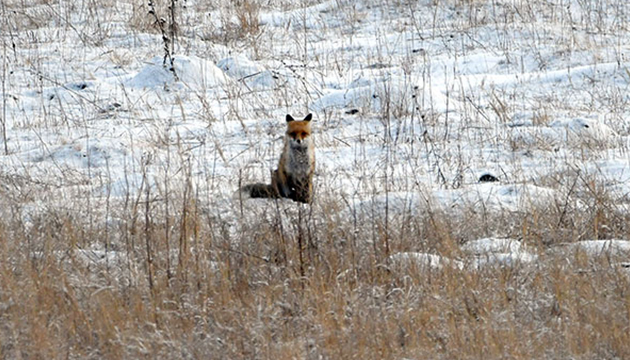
(300,159)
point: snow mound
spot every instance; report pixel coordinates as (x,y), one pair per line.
(599,247)
(585,130)
(241,68)
(422,261)
(192,72)
(94,153)
(374,94)
(496,251)
(504,259)
(395,203)
(494,245)
(498,197)
(339,99)
(302,16)
(576,132)
(487,196)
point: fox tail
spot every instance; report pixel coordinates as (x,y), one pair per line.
(260,191)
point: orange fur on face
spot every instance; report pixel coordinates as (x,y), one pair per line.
(299,129)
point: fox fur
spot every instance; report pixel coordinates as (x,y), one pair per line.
(293,178)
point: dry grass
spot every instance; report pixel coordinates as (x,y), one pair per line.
(245,294)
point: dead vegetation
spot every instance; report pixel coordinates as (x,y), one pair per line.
(189,285)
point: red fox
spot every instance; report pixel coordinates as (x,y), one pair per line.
(294,177)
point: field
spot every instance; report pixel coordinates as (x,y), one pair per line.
(471,191)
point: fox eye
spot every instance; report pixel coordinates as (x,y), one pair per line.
(293,134)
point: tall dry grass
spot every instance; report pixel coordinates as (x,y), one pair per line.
(197,289)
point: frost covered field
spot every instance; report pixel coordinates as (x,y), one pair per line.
(123,233)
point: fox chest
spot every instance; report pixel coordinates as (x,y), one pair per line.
(299,162)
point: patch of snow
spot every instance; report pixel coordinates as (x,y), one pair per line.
(600,247)
(488,196)
(492,245)
(298,17)
(376,94)
(585,130)
(496,197)
(497,251)
(503,259)
(423,261)
(192,72)
(241,68)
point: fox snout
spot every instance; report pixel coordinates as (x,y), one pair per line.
(299,144)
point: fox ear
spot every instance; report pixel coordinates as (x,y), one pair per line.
(308,117)
(289,118)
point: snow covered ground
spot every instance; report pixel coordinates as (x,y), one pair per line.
(411,107)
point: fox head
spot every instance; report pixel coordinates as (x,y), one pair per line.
(299,132)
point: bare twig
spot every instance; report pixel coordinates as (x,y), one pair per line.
(161,23)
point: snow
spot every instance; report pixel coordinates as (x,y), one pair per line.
(422,261)
(603,247)
(494,245)
(477,254)
(490,197)
(496,251)
(409,113)
(298,17)
(614,253)
(254,75)
(191,72)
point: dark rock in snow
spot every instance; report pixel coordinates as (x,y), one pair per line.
(488,178)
